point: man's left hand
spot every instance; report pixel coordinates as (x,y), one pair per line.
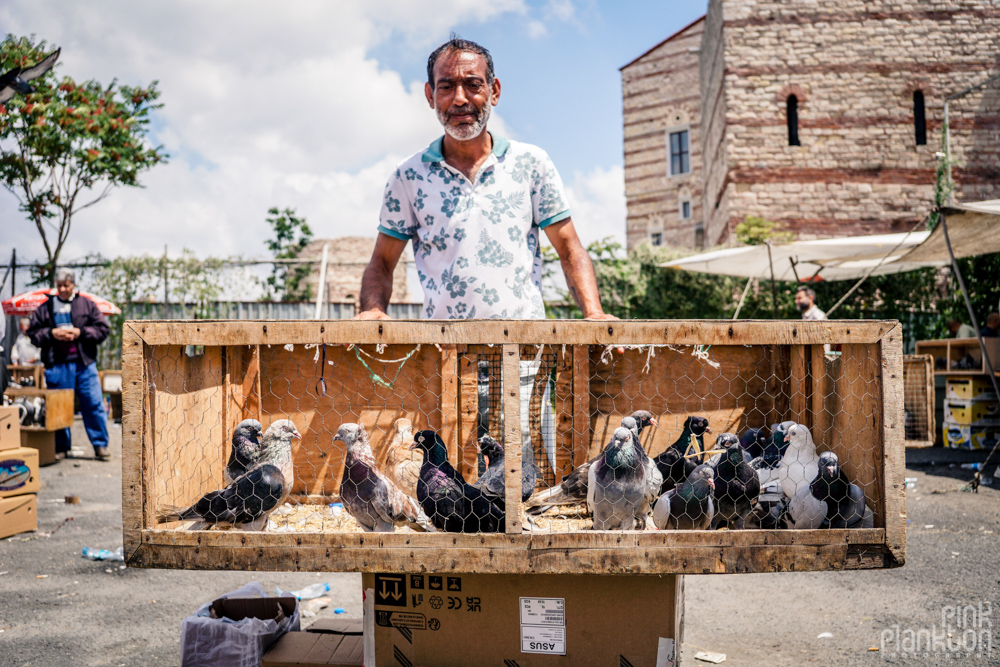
(600,317)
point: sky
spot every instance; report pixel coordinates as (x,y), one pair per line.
(310,104)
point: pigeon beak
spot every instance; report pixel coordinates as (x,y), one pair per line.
(414,446)
(297,435)
(708,429)
(652,422)
(337,437)
(787,437)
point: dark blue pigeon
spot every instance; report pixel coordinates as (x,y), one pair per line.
(15,81)
(671,463)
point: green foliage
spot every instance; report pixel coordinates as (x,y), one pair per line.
(755,230)
(291,235)
(67,145)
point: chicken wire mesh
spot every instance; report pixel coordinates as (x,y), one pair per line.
(918,400)
(399,438)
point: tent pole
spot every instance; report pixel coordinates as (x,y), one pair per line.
(739,306)
(794,272)
(979,335)
(774,290)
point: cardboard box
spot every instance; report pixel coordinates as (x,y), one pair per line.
(315,649)
(969,389)
(236,609)
(18,472)
(18,514)
(957,436)
(971,413)
(10,428)
(338,626)
(44,442)
(527,620)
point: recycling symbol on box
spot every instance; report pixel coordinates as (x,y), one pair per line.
(436,601)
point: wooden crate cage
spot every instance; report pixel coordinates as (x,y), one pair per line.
(918,400)
(187,385)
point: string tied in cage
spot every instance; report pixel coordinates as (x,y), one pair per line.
(321,381)
(375,377)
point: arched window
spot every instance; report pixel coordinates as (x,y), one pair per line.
(919,118)
(792,116)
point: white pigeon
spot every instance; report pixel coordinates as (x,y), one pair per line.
(800,464)
(806,511)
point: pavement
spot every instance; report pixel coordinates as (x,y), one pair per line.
(58,608)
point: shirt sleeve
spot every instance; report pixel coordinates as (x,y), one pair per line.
(397,218)
(548,196)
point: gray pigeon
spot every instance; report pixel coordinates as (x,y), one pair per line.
(620,484)
(368,494)
(15,81)
(689,505)
(845,502)
(246,449)
(736,486)
(491,482)
(249,499)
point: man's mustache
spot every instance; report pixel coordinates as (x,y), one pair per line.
(462,111)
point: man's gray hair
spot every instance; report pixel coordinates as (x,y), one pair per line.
(65,276)
(456,43)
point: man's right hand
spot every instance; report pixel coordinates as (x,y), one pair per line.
(373,314)
(64,334)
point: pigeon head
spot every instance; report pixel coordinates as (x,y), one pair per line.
(724,440)
(798,436)
(755,439)
(283,429)
(734,452)
(249,429)
(430,443)
(490,448)
(403,424)
(703,474)
(829,466)
(697,425)
(643,418)
(622,437)
(351,434)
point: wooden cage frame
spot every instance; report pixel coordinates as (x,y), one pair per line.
(920,365)
(589,552)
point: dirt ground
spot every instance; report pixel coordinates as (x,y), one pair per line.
(58,608)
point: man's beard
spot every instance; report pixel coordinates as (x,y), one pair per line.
(465,132)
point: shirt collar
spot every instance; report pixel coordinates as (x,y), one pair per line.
(434,152)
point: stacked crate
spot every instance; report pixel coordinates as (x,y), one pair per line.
(18,478)
(971,413)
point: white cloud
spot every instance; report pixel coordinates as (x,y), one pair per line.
(537,29)
(597,202)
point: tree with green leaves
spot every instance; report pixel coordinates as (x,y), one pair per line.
(755,230)
(66,146)
(291,235)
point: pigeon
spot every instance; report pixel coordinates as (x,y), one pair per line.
(573,488)
(246,449)
(621,484)
(844,502)
(401,464)
(15,81)
(771,511)
(722,442)
(754,440)
(248,500)
(689,505)
(368,495)
(768,462)
(529,470)
(671,463)
(800,463)
(452,504)
(736,487)
(491,482)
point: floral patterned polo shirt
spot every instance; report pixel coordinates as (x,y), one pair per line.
(476,245)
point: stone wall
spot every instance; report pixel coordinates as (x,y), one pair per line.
(346,261)
(660,93)
(853,66)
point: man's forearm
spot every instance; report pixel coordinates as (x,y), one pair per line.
(376,287)
(582,282)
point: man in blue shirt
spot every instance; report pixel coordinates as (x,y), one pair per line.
(473,204)
(68,328)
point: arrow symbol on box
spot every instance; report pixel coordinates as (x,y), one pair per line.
(395,594)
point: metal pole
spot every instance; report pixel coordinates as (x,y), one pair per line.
(947,155)
(743,297)
(795,273)
(774,290)
(166,294)
(321,288)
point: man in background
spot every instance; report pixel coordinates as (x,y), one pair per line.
(805,301)
(68,328)
(992,328)
(960,330)
(24,353)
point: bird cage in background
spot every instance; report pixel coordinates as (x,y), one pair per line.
(918,400)
(553,391)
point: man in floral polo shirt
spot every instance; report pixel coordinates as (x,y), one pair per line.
(472,204)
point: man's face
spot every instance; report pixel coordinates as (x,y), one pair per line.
(23,324)
(802,301)
(460,95)
(65,289)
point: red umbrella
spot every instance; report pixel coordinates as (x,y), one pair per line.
(23,305)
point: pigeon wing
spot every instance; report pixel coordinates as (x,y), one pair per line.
(42,67)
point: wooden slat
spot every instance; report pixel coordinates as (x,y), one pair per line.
(468,415)
(821,419)
(548,332)
(564,413)
(581,404)
(799,386)
(778,384)
(448,401)
(133,429)
(512,436)
(892,470)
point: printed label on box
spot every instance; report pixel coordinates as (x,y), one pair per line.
(400,619)
(14,474)
(543,639)
(543,611)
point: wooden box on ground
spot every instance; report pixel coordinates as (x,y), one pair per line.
(34,374)
(918,400)
(523,619)
(58,406)
(111,384)
(948,352)
(18,514)
(10,427)
(181,405)
(42,441)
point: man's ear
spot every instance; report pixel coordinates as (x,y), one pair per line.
(495,93)
(429,94)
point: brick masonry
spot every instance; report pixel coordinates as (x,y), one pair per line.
(853,67)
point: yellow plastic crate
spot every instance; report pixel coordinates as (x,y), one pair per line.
(972,413)
(969,389)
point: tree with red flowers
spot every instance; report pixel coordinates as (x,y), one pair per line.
(67,145)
